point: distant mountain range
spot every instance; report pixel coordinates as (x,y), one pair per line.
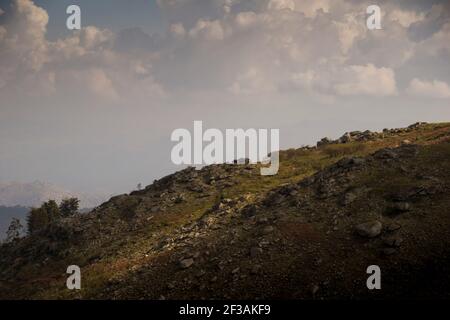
(34,193)
(16,198)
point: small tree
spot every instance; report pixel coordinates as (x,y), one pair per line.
(52,209)
(37,219)
(14,230)
(69,207)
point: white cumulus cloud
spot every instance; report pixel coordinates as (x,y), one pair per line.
(431,89)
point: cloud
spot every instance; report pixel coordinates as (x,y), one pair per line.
(177,29)
(432,22)
(253,81)
(430,89)
(281,5)
(347,81)
(321,47)
(107,65)
(209,30)
(23,39)
(100,84)
(405,17)
(367,80)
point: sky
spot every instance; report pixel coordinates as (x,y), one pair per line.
(92,110)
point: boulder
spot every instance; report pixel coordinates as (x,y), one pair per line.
(401,206)
(370,229)
(186,263)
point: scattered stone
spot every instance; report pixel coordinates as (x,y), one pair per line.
(385,154)
(255,252)
(186,263)
(393,227)
(348,198)
(345,138)
(358,161)
(324,141)
(255,269)
(268,229)
(262,220)
(402,206)
(417,125)
(314,289)
(369,229)
(388,251)
(393,241)
(404,169)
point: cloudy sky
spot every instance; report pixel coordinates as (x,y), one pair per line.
(94,109)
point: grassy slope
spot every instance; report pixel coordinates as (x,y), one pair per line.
(116,252)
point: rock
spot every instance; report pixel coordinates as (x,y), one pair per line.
(262,220)
(348,198)
(314,289)
(417,125)
(385,154)
(249,210)
(393,241)
(186,263)
(255,269)
(393,227)
(358,161)
(369,229)
(388,251)
(255,252)
(408,150)
(324,141)
(235,270)
(345,138)
(402,206)
(268,229)
(406,141)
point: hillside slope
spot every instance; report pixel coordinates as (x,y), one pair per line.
(226,232)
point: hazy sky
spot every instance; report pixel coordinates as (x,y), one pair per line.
(94,109)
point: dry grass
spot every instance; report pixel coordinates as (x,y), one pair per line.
(339,150)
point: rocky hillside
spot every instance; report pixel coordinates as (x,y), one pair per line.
(225,231)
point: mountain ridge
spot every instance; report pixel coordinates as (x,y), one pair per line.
(226,232)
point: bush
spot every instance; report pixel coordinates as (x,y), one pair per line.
(69,207)
(39,218)
(14,231)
